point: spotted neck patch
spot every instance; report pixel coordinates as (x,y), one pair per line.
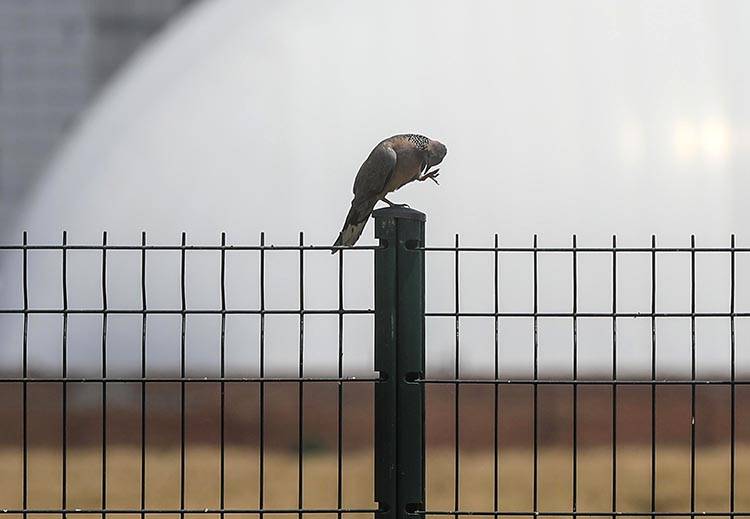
(420,141)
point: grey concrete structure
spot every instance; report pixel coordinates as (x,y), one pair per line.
(55,55)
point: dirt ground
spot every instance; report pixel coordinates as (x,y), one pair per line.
(202,479)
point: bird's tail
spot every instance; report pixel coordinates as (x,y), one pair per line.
(355,223)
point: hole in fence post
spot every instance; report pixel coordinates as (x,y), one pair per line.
(413,508)
(412,244)
(412,376)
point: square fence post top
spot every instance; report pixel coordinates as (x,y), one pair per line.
(399,212)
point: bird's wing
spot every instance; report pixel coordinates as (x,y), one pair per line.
(371,180)
(375,172)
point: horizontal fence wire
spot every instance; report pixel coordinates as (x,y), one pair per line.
(457,381)
(577,514)
(209,510)
(540,249)
(281,511)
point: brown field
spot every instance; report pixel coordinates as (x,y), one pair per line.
(280,421)
(202,479)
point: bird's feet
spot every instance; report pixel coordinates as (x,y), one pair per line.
(391,204)
(432,175)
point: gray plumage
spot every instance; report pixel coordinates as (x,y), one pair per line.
(394,162)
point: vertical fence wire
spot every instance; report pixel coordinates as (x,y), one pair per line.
(457,389)
(222,384)
(25,374)
(535,385)
(732,378)
(340,391)
(653,377)
(183,406)
(105,316)
(574,478)
(64,477)
(300,374)
(614,375)
(692,374)
(496,406)
(144,317)
(262,385)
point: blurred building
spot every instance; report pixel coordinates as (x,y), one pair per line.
(55,55)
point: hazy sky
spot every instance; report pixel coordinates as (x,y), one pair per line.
(587,117)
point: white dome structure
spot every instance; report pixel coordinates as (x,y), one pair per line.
(596,119)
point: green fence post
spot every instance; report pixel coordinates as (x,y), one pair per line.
(399,358)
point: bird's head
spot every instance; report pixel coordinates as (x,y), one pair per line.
(436,151)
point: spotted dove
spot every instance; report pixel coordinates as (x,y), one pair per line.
(394,162)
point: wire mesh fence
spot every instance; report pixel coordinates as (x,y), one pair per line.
(105,379)
(612,381)
(416,432)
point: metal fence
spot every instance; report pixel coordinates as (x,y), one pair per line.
(400,382)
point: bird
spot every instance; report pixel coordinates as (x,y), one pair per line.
(393,163)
